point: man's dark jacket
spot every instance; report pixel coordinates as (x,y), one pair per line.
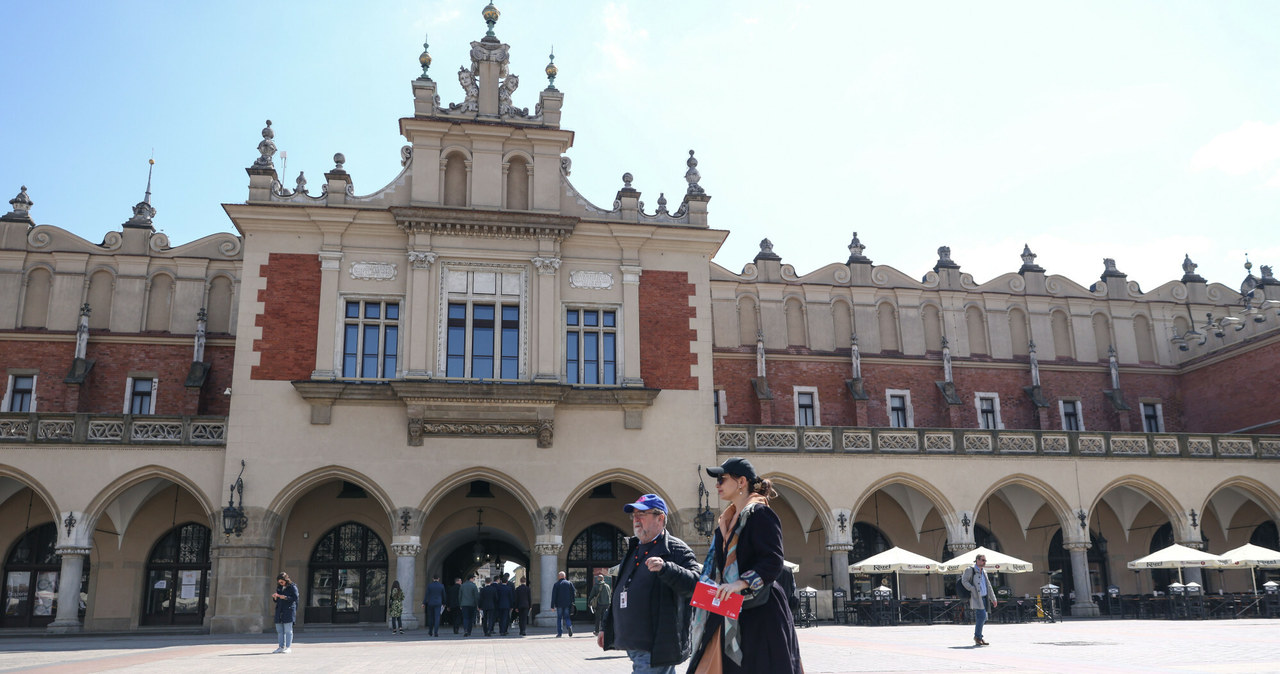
(451,595)
(487,597)
(503,597)
(524,598)
(669,601)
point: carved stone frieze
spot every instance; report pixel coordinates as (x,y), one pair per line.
(482,224)
(590,280)
(373,271)
(406,549)
(547,549)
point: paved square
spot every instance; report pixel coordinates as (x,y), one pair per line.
(1235,646)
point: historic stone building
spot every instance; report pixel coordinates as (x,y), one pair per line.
(475,364)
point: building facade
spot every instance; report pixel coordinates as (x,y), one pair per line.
(475,364)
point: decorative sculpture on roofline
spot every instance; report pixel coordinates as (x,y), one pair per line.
(21,207)
(692,176)
(552,70)
(267,149)
(424,60)
(855,250)
(505,90)
(471,89)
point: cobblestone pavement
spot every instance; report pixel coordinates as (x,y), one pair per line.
(1221,646)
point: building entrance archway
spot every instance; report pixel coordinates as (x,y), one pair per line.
(347,577)
(176,591)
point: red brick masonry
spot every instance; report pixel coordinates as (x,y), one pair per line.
(666,340)
(289,319)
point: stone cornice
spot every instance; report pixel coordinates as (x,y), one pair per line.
(488,224)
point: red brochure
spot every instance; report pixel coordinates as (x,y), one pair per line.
(704,596)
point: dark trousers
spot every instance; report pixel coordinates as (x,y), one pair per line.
(396,624)
(433,619)
(468,619)
(600,618)
(503,617)
(455,618)
(524,619)
(488,620)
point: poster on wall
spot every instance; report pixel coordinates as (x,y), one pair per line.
(190,583)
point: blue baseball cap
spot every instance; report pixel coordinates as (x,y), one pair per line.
(646,502)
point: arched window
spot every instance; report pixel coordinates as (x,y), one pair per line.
(598,547)
(868,540)
(159,303)
(35,305)
(977,327)
(932,328)
(795,323)
(348,577)
(177,587)
(518,184)
(887,321)
(31,579)
(455,180)
(101,286)
(1019,334)
(1142,335)
(1062,347)
(219,306)
(1101,335)
(747,321)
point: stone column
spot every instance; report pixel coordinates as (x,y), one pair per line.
(418,310)
(67,619)
(631,325)
(840,566)
(1193,574)
(547,290)
(406,571)
(1084,605)
(330,268)
(244,575)
(548,569)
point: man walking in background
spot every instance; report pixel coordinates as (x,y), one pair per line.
(468,595)
(524,602)
(601,596)
(562,595)
(981,595)
(433,602)
(451,604)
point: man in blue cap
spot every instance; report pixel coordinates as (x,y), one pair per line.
(649,615)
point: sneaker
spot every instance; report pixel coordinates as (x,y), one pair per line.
(287,650)
(278,650)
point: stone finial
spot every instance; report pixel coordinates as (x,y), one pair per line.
(766,251)
(143,212)
(338,160)
(490,14)
(300,184)
(692,175)
(1029,261)
(552,70)
(21,207)
(1189,274)
(662,203)
(855,251)
(424,60)
(944,259)
(626,181)
(267,149)
(1109,268)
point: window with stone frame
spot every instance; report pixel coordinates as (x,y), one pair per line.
(20,395)
(806,405)
(484,323)
(1152,417)
(1071,415)
(988,408)
(898,403)
(591,346)
(370,338)
(140,394)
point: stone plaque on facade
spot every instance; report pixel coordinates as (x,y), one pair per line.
(591,280)
(373,271)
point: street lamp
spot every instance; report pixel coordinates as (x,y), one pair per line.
(234,520)
(705,520)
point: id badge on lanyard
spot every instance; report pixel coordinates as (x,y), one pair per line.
(622,599)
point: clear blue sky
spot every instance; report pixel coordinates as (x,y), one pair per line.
(1135,130)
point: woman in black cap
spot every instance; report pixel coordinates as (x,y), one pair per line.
(746,558)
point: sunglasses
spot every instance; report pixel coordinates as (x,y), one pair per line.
(722,478)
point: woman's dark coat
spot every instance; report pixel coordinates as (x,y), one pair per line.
(769,643)
(287,608)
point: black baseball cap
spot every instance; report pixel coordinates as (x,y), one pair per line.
(736,466)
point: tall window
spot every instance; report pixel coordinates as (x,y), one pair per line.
(1070,413)
(899,404)
(177,589)
(591,346)
(988,406)
(370,339)
(140,395)
(482,325)
(806,402)
(348,577)
(1152,418)
(21,397)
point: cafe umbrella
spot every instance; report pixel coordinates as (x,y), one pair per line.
(1250,556)
(898,561)
(997,562)
(1177,557)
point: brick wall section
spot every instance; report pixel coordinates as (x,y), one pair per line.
(104,390)
(289,319)
(1234,393)
(836,406)
(666,340)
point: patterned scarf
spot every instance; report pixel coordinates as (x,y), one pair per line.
(732,640)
